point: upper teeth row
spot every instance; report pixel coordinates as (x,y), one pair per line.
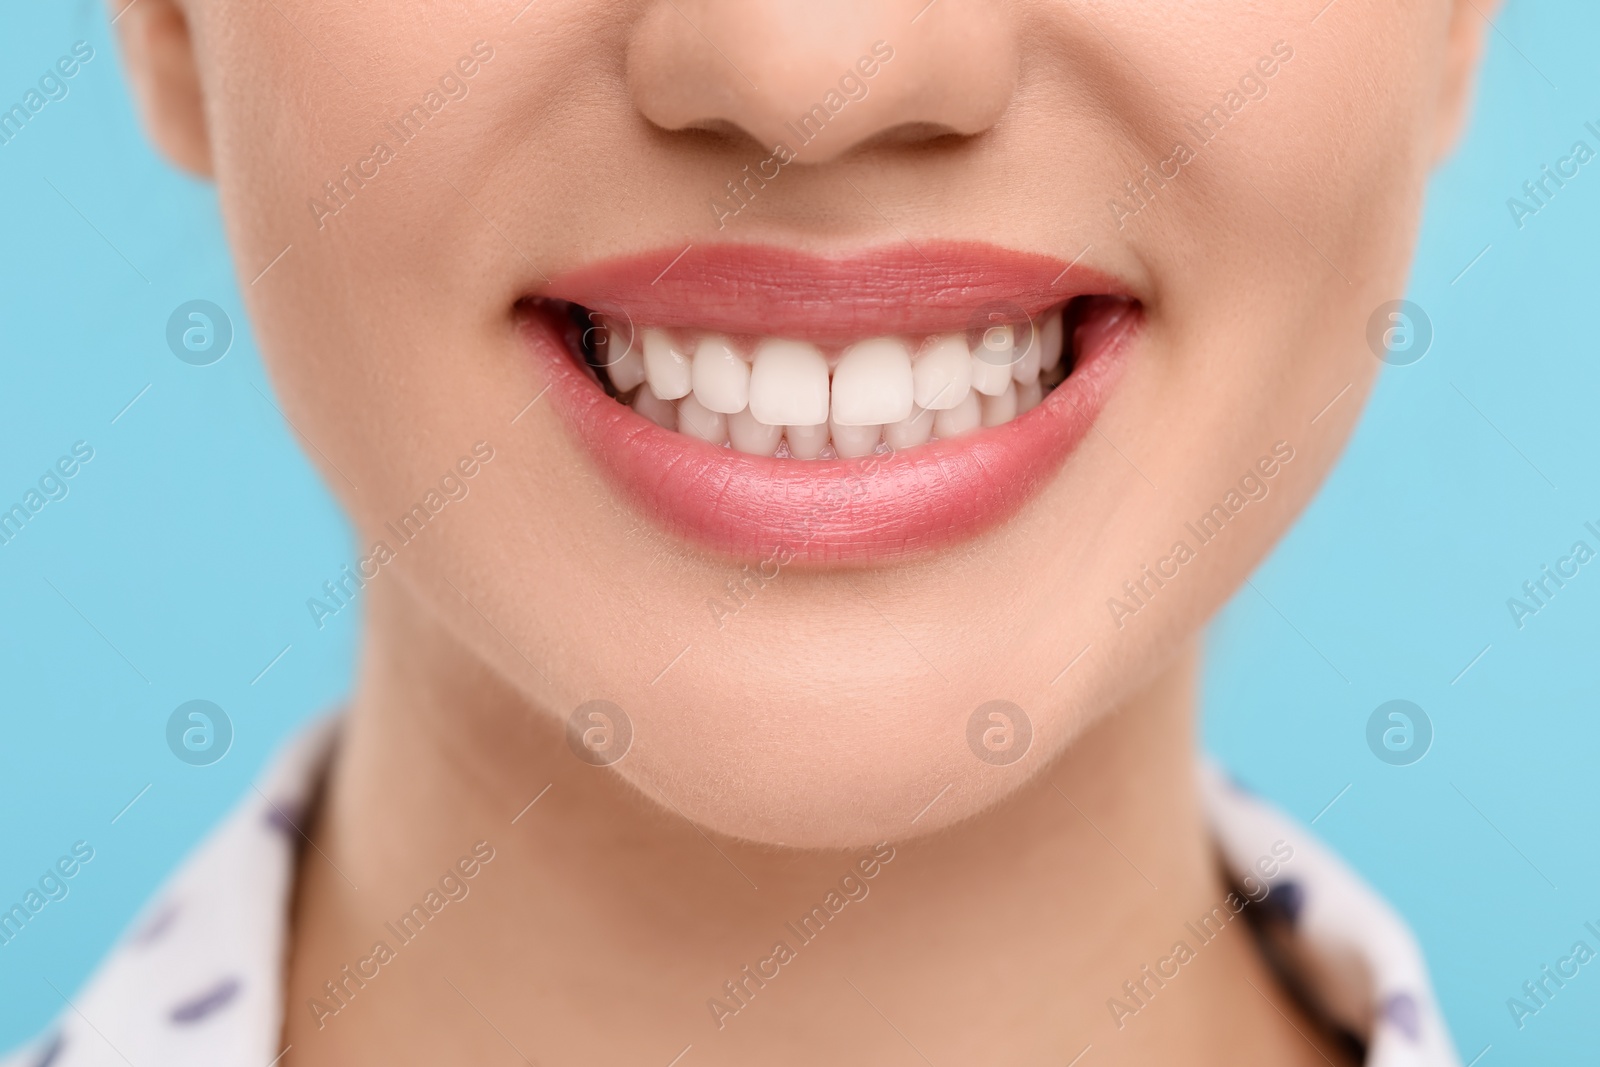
(875,382)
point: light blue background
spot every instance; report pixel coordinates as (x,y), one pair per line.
(185,551)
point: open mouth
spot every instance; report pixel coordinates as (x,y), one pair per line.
(770,403)
(793,399)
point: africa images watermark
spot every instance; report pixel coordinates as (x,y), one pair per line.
(1543,189)
(1138,992)
(1539,591)
(52,486)
(453,887)
(52,87)
(739,991)
(52,885)
(1537,992)
(1206,128)
(341,590)
(1254,485)
(852,87)
(453,85)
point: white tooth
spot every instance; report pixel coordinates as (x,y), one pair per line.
(721,376)
(990,379)
(806,442)
(942,374)
(992,359)
(624,361)
(1028,396)
(697,420)
(669,370)
(1051,337)
(1026,368)
(961,419)
(999,338)
(872,384)
(909,433)
(753,436)
(789,384)
(853,442)
(661,412)
(627,372)
(998,409)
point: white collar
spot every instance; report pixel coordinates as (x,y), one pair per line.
(199,980)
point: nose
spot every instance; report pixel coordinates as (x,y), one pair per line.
(824,76)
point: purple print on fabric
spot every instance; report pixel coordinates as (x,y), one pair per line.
(158,924)
(218,996)
(283,817)
(1400,1009)
(1286,901)
(51,1052)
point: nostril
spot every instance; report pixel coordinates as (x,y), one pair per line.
(719,128)
(913,133)
(720,132)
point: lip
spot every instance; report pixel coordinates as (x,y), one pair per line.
(780,292)
(873,509)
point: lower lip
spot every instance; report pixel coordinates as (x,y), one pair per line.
(875,509)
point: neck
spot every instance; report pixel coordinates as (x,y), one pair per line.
(1002,940)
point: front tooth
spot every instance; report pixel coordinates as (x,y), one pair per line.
(853,442)
(1026,368)
(1051,337)
(659,411)
(697,420)
(942,374)
(806,442)
(961,419)
(992,359)
(872,384)
(913,431)
(999,409)
(669,371)
(751,435)
(721,376)
(789,384)
(1029,394)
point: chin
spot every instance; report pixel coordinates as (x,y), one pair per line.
(834,774)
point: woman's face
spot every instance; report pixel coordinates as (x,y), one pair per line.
(1202,205)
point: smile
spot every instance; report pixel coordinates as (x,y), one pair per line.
(765,402)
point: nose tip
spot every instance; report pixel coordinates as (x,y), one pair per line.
(825,77)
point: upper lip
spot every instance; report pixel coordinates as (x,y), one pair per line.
(766,290)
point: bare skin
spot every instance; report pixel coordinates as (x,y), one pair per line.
(604,924)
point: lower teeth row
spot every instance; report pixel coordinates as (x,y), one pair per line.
(788,399)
